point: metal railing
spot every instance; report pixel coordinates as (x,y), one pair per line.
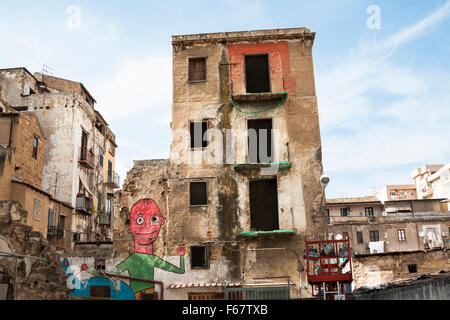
(86,157)
(83,204)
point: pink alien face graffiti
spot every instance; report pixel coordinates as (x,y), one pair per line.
(146,221)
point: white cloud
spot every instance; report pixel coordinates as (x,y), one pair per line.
(139,85)
(379,114)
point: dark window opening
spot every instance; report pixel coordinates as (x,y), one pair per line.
(199,257)
(101,160)
(110,171)
(149,296)
(197,69)
(345,235)
(412,268)
(359,236)
(76,237)
(374,236)
(35,147)
(260,141)
(100,292)
(198,134)
(100,127)
(257,74)
(198,194)
(264,205)
(345,212)
(100,265)
(369,212)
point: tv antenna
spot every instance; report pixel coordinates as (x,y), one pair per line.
(47,70)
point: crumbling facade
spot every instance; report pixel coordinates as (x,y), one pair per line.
(78,160)
(240,192)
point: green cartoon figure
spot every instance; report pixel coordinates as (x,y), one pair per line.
(146,221)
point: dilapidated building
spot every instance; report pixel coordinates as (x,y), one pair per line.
(78,154)
(240,192)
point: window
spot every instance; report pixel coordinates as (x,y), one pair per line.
(264,205)
(200,257)
(198,134)
(401,235)
(260,141)
(369,212)
(412,268)
(110,171)
(76,237)
(37,209)
(35,147)
(257,74)
(359,237)
(100,265)
(197,69)
(100,292)
(374,236)
(101,160)
(198,194)
(328,215)
(345,235)
(345,212)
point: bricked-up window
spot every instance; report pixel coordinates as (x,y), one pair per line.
(359,237)
(198,134)
(374,236)
(35,147)
(369,212)
(100,292)
(37,209)
(198,193)
(401,235)
(197,69)
(200,257)
(257,74)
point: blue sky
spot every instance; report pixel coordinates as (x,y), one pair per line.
(383,94)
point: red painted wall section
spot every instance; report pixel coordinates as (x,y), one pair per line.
(279,62)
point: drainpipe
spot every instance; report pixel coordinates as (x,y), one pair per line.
(160,283)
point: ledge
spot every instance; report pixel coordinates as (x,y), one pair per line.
(259,97)
(257,234)
(241,167)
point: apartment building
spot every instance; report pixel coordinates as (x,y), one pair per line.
(78,141)
(233,204)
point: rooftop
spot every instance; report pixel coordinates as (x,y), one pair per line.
(271,34)
(368,199)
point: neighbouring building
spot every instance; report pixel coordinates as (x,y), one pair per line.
(432,182)
(392,226)
(22,145)
(229,211)
(78,152)
(397,192)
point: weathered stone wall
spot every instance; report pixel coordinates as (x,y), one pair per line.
(375,270)
(28,169)
(36,280)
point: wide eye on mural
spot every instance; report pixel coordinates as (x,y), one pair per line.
(155,220)
(140,220)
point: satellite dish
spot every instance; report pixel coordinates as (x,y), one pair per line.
(324,180)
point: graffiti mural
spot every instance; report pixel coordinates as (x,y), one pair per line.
(117,290)
(146,221)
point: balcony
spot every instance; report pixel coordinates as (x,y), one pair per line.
(113,181)
(55,233)
(104,218)
(84,204)
(87,158)
(249,167)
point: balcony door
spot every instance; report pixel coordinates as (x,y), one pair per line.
(264,205)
